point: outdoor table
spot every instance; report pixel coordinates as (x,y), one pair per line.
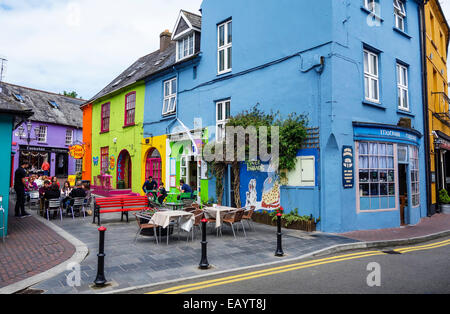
(175,205)
(163,219)
(171,197)
(218,212)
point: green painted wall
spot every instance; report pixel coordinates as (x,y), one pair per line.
(128,138)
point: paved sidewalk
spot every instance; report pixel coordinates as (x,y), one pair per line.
(427,226)
(30,248)
(130,265)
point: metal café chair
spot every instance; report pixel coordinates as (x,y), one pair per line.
(234,218)
(78,203)
(54,204)
(143,226)
(34,198)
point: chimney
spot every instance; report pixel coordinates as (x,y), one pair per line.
(165,40)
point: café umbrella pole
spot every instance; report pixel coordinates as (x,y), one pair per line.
(100,280)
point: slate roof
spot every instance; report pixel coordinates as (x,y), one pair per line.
(148,65)
(139,70)
(69,112)
(194,19)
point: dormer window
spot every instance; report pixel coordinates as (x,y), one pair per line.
(185,47)
(187,34)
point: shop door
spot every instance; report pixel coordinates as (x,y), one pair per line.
(403,192)
(124,169)
(61,168)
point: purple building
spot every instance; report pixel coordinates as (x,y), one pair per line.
(47,135)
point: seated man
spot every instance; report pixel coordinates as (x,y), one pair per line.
(150,185)
(184,188)
(77,192)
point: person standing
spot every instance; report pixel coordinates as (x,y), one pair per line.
(46,168)
(19,186)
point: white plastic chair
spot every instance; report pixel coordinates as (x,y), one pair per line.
(54,204)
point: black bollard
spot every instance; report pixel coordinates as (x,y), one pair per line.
(204,262)
(279,251)
(100,280)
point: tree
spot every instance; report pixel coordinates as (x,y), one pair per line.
(72,94)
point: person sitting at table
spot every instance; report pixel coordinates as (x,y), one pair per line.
(184,188)
(65,192)
(31,186)
(50,194)
(162,193)
(78,192)
(55,180)
(150,185)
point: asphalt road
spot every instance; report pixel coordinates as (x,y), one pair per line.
(422,268)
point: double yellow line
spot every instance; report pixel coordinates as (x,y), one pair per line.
(424,247)
(288,268)
(263,273)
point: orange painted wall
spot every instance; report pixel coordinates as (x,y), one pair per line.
(87,140)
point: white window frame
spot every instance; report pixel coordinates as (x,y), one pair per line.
(78,165)
(42,137)
(226,48)
(184,159)
(186,46)
(371,76)
(402,87)
(400,14)
(372,6)
(359,182)
(222,121)
(170,97)
(414,166)
(69,137)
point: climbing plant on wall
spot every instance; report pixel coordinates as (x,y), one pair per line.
(292,133)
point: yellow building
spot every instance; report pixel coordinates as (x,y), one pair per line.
(436,40)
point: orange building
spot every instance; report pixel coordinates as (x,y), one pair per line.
(87,140)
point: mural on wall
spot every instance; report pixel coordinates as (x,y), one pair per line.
(270,197)
(112,162)
(95,160)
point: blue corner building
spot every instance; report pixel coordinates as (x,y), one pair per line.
(354,67)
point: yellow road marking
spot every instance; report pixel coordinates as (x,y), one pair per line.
(415,248)
(269,271)
(288,268)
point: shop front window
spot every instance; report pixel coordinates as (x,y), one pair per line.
(414,169)
(377,186)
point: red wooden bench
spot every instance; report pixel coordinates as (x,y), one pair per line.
(119,204)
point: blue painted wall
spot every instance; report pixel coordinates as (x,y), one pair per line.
(277,47)
(6,126)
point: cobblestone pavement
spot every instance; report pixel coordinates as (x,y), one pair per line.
(427,226)
(30,249)
(129,264)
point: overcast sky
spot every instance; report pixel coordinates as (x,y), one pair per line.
(82,45)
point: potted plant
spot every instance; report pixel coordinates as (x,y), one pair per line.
(444,201)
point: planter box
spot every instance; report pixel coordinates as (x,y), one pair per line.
(309,226)
(445,208)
